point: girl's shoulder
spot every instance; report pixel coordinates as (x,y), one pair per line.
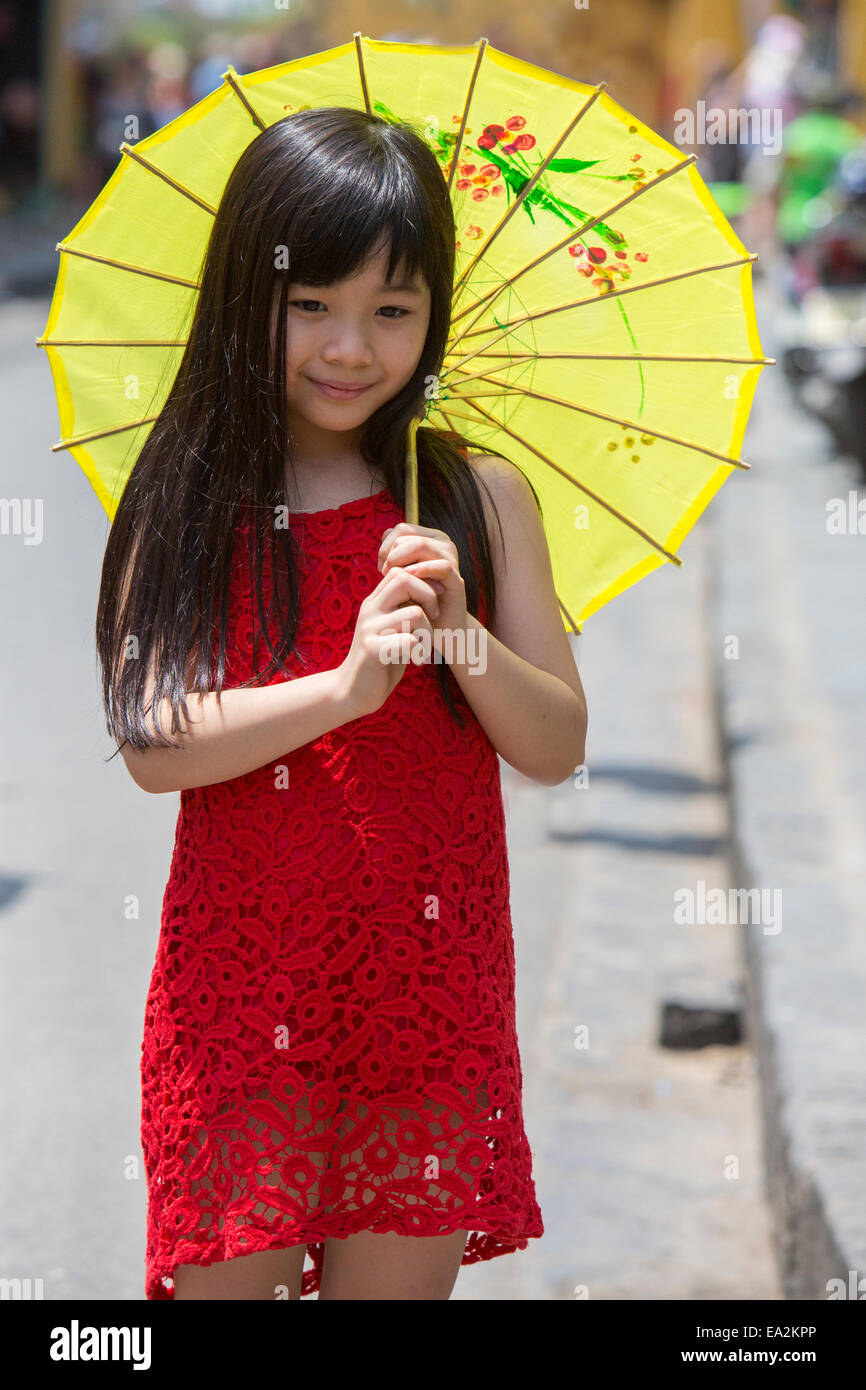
(492,469)
(502,482)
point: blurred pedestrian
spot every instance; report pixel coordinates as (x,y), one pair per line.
(122,111)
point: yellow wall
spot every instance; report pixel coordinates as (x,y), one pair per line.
(699,35)
(852,51)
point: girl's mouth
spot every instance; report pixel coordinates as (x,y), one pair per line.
(339,393)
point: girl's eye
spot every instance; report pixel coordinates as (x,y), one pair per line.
(397,310)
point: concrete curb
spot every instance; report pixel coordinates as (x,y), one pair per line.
(786,713)
(809,1250)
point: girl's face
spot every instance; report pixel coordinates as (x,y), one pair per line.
(357,333)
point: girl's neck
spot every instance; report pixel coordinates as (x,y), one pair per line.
(312,487)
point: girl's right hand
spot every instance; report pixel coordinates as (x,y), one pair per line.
(385,631)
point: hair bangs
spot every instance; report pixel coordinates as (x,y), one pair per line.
(333,237)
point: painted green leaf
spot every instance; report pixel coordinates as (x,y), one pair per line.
(571,166)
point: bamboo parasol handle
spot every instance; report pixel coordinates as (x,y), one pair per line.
(411,506)
(411,503)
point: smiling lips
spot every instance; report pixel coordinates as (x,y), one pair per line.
(337,391)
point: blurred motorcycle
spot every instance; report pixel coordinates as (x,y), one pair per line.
(825,356)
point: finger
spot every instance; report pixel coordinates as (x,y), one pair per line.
(400,586)
(405,529)
(410,546)
(414,615)
(435,565)
(436,572)
(397,648)
(413,625)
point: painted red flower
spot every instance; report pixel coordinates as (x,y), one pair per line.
(491,136)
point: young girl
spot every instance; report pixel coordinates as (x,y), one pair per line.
(330,1063)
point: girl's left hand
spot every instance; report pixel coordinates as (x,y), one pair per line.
(432,555)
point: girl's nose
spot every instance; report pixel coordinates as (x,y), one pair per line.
(348,345)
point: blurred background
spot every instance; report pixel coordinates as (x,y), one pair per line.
(709,1143)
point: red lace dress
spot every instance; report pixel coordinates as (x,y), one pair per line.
(329,1034)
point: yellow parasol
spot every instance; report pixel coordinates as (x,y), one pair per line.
(603,332)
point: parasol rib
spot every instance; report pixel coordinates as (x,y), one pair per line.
(100,434)
(502,392)
(572,623)
(614,419)
(607,357)
(494,293)
(608,506)
(455,156)
(527,187)
(627,357)
(111,342)
(230,76)
(502,330)
(126,265)
(172,183)
(362,73)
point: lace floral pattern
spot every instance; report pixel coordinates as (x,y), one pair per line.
(329,1034)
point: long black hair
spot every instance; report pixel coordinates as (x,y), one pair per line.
(326,184)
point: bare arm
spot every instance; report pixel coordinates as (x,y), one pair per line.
(534,720)
(529,700)
(251,727)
